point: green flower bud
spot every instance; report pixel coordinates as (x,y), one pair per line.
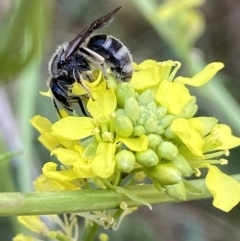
(139,130)
(160,130)
(124,91)
(142,108)
(119,112)
(183,166)
(125,161)
(158,187)
(151,107)
(123,126)
(131,108)
(154,140)
(168,133)
(167,120)
(136,95)
(145,97)
(167,150)
(150,125)
(139,176)
(147,158)
(176,191)
(161,111)
(164,173)
(140,121)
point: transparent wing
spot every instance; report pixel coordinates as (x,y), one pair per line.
(100,22)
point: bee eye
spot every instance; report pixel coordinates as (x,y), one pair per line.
(60,64)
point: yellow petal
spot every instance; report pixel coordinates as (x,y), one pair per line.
(189,135)
(50,170)
(202,77)
(65,156)
(134,144)
(173,95)
(83,168)
(45,184)
(73,128)
(103,164)
(49,141)
(224,134)
(43,125)
(63,113)
(145,75)
(21,237)
(149,63)
(47,93)
(68,144)
(79,90)
(203,124)
(103,105)
(225,190)
(34,223)
(99,84)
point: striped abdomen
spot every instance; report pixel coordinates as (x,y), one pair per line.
(115,53)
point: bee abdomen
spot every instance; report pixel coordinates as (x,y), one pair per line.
(115,53)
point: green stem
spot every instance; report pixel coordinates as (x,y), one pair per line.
(14,204)
(90,231)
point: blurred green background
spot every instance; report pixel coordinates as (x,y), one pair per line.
(193,32)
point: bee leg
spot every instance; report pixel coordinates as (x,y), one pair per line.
(82,107)
(76,99)
(88,75)
(56,107)
(79,80)
(94,59)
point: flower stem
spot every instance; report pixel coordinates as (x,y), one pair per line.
(14,204)
(90,231)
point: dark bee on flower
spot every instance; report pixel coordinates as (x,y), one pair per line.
(74,61)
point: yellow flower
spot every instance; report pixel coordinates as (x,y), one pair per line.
(35,224)
(220,138)
(150,73)
(50,170)
(174,95)
(146,125)
(46,184)
(44,126)
(80,165)
(205,139)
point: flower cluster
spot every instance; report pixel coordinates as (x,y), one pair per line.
(145,128)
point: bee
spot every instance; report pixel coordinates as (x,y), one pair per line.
(74,62)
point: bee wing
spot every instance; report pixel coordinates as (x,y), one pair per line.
(100,22)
